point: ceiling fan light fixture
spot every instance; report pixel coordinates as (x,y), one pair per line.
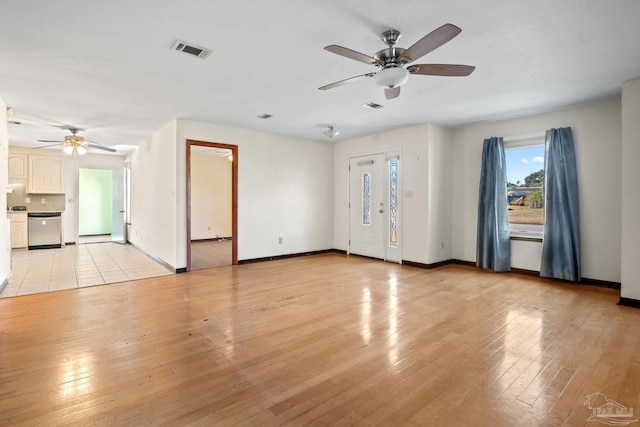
(74,146)
(391,77)
(332,131)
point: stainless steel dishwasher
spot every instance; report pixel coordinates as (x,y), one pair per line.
(45,230)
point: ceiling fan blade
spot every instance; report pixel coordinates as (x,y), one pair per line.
(450,70)
(351,54)
(345,81)
(392,93)
(430,42)
(49,140)
(101,147)
(47,146)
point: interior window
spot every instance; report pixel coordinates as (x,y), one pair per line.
(525,186)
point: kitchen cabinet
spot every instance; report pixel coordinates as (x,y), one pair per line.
(45,175)
(17,165)
(19,230)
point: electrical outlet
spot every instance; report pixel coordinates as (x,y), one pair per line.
(209,228)
(27,200)
(279,240)
(43,201)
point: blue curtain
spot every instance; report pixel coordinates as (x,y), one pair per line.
(493,246)
(561,241)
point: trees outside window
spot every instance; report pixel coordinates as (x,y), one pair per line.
(525,184)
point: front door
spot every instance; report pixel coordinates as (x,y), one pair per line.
(367,206)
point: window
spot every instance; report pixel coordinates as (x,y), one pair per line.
(366,199)
(393,203)
(525,186)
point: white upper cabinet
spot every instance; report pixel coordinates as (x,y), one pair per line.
(17,164)
(45,175)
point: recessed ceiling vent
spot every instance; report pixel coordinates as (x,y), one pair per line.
(372,105)
(191,49)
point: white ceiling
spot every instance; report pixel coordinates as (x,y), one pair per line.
(107,67)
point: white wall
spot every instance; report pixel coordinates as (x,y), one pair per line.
(284,190)
(630,193)
(440,202)
(153,196)
(427,186)
(412,142)
(597,135)
(210,197)
(5,237)
(72,166)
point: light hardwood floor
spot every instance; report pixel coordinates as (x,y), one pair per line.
(322,340)
(210,253)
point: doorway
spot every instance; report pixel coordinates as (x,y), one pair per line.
(212,207)
(101,195)
(375,206)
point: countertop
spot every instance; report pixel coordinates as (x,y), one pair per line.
(34,211)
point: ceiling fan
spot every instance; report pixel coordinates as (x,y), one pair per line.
(392,61)
(75,145)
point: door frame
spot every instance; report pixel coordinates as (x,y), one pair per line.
(234,196)
(122,208)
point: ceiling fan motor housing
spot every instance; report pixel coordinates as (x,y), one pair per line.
(389,57)
(74,140)
(392,74)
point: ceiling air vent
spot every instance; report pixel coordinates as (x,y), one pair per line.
(372,105)
(200,52)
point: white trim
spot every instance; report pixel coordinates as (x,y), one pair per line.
(524,140)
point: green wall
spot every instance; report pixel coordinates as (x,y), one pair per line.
(94,198)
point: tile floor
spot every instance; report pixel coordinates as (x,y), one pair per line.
(77,266)
(100,238)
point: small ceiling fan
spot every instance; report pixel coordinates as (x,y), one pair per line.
(392,61)
(75,145)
